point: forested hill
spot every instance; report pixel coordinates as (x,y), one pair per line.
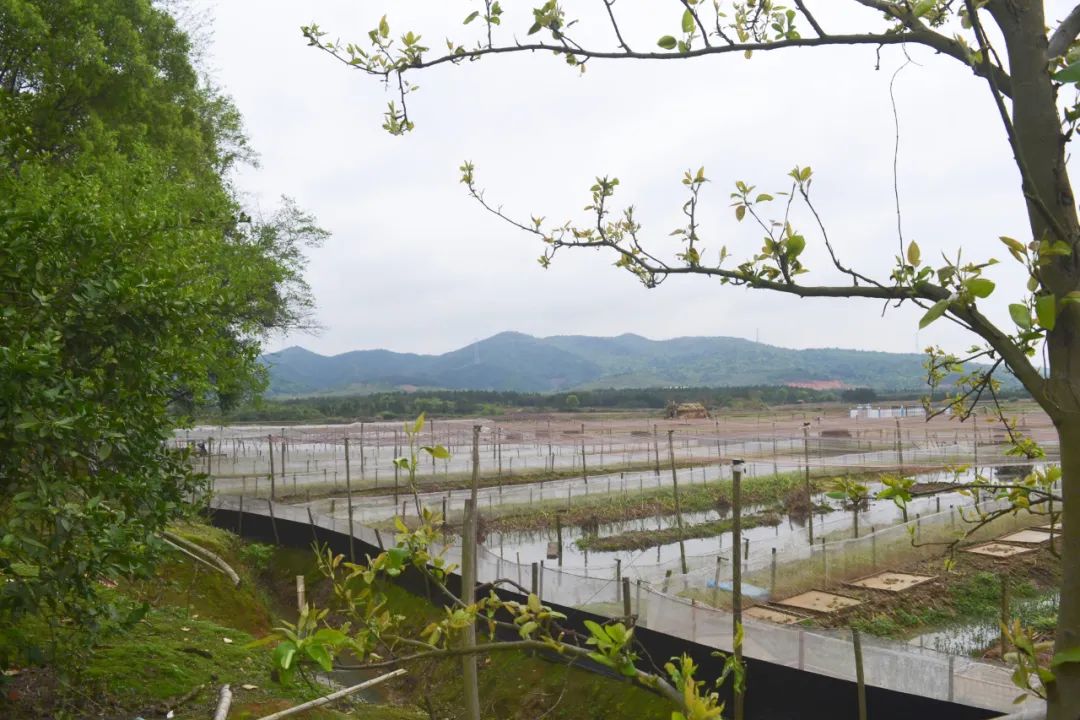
(518,362)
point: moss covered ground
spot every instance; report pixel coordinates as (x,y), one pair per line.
(197,635)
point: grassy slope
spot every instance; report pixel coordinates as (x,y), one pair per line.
(181,646)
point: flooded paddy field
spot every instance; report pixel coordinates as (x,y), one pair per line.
(602,489)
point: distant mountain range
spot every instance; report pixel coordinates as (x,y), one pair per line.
(519,362)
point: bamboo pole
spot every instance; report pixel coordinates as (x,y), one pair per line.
(224,702)
(326,699)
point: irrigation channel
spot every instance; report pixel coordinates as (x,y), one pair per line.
(686,600)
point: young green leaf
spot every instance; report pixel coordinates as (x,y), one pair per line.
(283,654)
(687,21)
(321,655)
(980,287)
(1046,311)
(667,42)
(913,254)
(1072,655)
(936,310)
(1020,315)
(1068,74)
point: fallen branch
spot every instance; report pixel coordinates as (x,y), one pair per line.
(224,701)
(214,558)
(326,699)
(193,556)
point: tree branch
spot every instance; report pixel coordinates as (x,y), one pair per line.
(1030,191)
(810,18)
(1064,35)
(921,36)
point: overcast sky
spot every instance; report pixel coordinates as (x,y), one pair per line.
(414,265)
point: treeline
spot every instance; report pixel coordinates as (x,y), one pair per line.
(466,403)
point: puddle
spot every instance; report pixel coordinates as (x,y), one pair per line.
(974,638)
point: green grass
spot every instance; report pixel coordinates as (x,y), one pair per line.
(974,598)
(180,647)
(652,502)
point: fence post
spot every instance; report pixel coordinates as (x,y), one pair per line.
(348,495)
(678,508)
(772,585)
(1004,612)
(716,583)
(240,519)
(736,579)
(899,448)
(824,561)
(626,598)
(558,535)
(584,469)
(273,521)
(806,480)
(618,578)
(468,596)
(535,579)
(859,679)
(270,439)
(311,521)
(952,679)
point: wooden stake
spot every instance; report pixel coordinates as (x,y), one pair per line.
(348,495)
(584,469)
(270,439)
(899,449)
(468,586)
(656,447)
(558,534)
(860,680)
(736,576)
(301,594)
(1004,613)
(809,494)
(678,506)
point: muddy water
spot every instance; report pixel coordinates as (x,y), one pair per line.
(791,532)
(974,637)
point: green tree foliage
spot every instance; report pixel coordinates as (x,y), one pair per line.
(470,403)
(133,290)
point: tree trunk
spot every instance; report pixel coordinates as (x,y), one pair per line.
(1064,695)
(1041,151)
